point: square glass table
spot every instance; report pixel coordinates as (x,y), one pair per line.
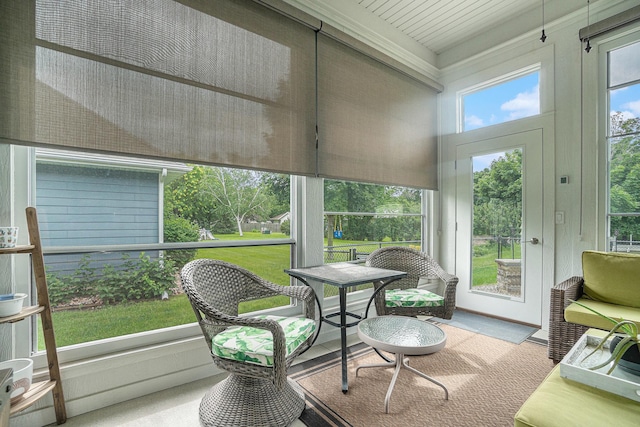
(344,275)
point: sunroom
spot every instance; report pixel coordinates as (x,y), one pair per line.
(373,123)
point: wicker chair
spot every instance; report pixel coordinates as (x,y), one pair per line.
(419,266)
(257,391)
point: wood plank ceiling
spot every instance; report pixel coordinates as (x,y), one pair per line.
(441,24)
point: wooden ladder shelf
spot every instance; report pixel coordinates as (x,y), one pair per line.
(54,383)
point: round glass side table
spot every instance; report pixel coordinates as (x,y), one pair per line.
(402,336)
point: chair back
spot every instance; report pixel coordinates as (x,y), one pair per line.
(216,288)
(222,285)
(415,263)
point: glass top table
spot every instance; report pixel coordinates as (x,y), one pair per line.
(344,275)
(402,336)
(395,333)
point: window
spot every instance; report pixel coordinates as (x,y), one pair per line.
(107,224)
(623,142)
(507,100)
(360,218)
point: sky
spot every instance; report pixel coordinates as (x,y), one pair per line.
(512,100)
(507,101)
(626,100)
(520,98)
(483,162)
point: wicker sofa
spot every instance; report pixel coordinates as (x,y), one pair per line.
(610,284)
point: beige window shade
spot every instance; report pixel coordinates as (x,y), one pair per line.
(375,124)
(224,82)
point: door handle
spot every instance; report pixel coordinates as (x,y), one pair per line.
(533,241)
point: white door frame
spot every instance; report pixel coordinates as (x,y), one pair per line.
(527,307)
(544,122)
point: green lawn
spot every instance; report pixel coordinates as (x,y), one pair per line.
(78,326)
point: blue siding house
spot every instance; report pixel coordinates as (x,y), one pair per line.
(94,200)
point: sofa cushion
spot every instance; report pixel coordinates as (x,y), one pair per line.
(255,345)
(580,315)
(560,402)
(612,277)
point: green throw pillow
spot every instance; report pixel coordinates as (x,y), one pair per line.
(612,277)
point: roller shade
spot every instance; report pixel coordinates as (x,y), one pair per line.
(224,82)
(375,123)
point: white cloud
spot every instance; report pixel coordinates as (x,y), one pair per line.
(618,91)
(525,104)
(473,121)
(633,107)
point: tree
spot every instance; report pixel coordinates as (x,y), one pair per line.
(498,197)
(178,229)
(388,202)
(185,198)
(237,193)
(624,175)
(279,187)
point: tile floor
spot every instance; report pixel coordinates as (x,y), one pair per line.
(178,406)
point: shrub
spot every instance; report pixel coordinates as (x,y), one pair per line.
(59,289)
(134,279)
(79,284)
(178,229)
(286,227)
(485,249)
(144,278)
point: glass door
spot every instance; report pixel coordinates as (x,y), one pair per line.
(499,218)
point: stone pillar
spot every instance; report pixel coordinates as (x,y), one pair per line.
(509,275)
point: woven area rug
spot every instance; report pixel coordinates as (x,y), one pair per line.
(488,380)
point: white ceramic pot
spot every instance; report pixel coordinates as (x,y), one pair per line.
(22,375)
(12,305)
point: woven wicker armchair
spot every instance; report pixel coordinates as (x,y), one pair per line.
(419,266)
(257,391)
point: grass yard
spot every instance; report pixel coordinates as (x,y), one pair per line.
(78,326)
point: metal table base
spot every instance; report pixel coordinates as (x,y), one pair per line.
(400,362)
(344,275)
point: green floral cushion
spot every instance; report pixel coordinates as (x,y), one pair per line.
(254,345)
(412,298)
